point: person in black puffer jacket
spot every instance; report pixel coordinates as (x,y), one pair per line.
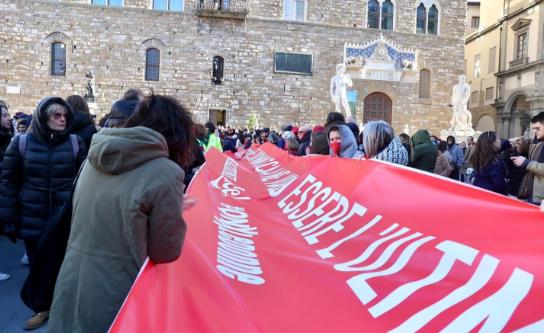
(34,184)
(37,178)
(6,130)
(83,124)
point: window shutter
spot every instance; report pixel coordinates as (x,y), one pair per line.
(373,14)
(58,59)
(152,64)
(387,15)
(424,83)
(432,27)
(421,19)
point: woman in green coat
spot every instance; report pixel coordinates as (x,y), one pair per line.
(127,206)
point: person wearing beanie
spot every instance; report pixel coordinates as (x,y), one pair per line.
(120,112)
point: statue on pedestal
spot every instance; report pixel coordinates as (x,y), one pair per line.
(338,89)
(89,95)
(461,120)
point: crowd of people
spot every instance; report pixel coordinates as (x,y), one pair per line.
(84,196)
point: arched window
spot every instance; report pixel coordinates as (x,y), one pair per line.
(432,27)
(421,23)
(387,15)
(373,14)
(424,83)
(152,64)
(58,59)
(217,70)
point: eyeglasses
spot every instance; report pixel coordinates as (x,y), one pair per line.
(58,115)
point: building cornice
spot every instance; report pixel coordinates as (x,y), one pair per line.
(520,68)
(492,27)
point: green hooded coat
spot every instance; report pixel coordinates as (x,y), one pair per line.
(424,153)
(126,207)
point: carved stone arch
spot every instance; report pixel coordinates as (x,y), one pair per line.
(485,123)
(153,43)
(514,96)
(42,50)
(515,121)
(58,36)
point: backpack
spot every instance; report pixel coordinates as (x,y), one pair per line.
(73,140)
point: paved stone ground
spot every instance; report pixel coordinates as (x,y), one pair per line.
(13,313)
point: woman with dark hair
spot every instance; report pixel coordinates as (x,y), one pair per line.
(490,171)
(6,133)
(127,207)
(83,124)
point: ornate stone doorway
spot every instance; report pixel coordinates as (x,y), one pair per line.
(377,106)
(516,120)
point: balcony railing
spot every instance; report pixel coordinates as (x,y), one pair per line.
(519,62)
(231,9)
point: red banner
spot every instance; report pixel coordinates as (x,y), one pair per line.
(279,243)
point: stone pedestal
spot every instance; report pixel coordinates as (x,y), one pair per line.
(93,108)
(460,135)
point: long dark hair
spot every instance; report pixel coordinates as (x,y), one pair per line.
(485,151)
(167,116)
(78,104)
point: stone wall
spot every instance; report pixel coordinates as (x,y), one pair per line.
(111,42)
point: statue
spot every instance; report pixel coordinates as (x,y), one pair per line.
(338,90)
(89,96)
(462,118)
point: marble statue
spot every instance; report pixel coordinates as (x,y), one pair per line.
(338,89)
(89,96)
(462,118)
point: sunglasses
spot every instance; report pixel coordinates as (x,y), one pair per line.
(58,115)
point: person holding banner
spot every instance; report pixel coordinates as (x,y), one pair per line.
(381,144)
(532,186)
(127,207)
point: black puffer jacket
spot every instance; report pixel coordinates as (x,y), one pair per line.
(5,138)
(84,127)
(34,185)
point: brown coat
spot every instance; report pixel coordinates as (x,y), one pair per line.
(127,206)
(443,166)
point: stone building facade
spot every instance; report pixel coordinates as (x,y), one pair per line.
(113,42)
(505,65)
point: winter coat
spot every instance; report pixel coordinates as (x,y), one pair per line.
(443,166)
(305,143)
(349,144)
(492,178)
(457,155)
(214,141)
(394,153)
(534,174)
(5,139)
(84,127)
(424,153)
(33,186)
(127,206)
